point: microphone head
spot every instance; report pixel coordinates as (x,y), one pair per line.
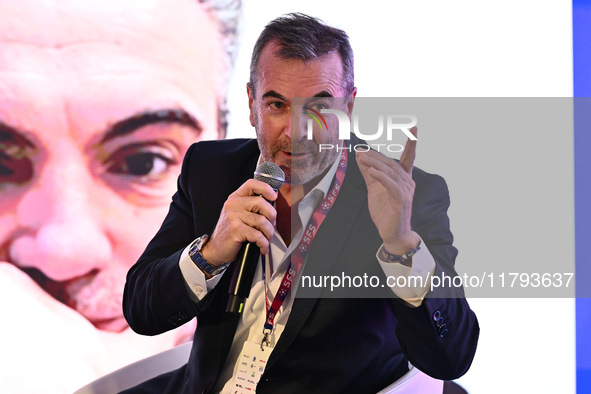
(271,174)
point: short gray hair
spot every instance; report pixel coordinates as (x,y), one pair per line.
(303,37)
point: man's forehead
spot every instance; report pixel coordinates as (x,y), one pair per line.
(321,76)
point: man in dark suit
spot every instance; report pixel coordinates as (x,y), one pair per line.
(338,213)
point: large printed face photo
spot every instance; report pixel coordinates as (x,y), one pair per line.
(99,100)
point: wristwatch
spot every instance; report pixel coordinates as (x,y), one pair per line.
(404,259)
(199,260)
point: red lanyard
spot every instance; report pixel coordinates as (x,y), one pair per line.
(299,254)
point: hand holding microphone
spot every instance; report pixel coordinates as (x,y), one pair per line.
(245,229)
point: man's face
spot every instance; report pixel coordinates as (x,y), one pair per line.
(278,118)
(99,100)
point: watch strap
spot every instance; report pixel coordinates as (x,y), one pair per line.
(200,261)
(404,259)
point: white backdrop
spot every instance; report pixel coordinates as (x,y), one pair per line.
(454,49)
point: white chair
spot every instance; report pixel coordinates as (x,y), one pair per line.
(413,382)
(140,371)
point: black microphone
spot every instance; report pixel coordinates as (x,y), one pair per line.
(249,254)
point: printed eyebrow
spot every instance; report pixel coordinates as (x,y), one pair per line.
(137,121)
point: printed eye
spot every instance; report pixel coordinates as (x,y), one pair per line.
(141,160)
(15,165)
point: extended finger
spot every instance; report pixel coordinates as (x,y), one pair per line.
(372,155)
(385,165)
(407,158)
(394,187)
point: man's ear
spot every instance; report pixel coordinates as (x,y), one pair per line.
(250,93)
(351,102)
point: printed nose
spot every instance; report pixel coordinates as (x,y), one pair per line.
(61,233)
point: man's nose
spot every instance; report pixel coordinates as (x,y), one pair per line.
(297,126)
(61,232)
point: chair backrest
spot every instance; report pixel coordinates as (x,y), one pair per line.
(140,371)
(413,382)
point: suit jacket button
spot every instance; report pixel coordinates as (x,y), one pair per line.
(436,315)
(440,322)
(443,333)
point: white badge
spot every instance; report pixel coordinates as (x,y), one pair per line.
(251,364)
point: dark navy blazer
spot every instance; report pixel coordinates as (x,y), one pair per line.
(329,345)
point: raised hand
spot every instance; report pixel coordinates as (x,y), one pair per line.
(390,193)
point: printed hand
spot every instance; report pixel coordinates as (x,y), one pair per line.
(48,347)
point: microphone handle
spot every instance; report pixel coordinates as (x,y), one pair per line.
(243,276)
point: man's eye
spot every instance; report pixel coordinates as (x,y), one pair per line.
(316,107)
(276,105)
(140,161)
(14,168)
(324,104)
